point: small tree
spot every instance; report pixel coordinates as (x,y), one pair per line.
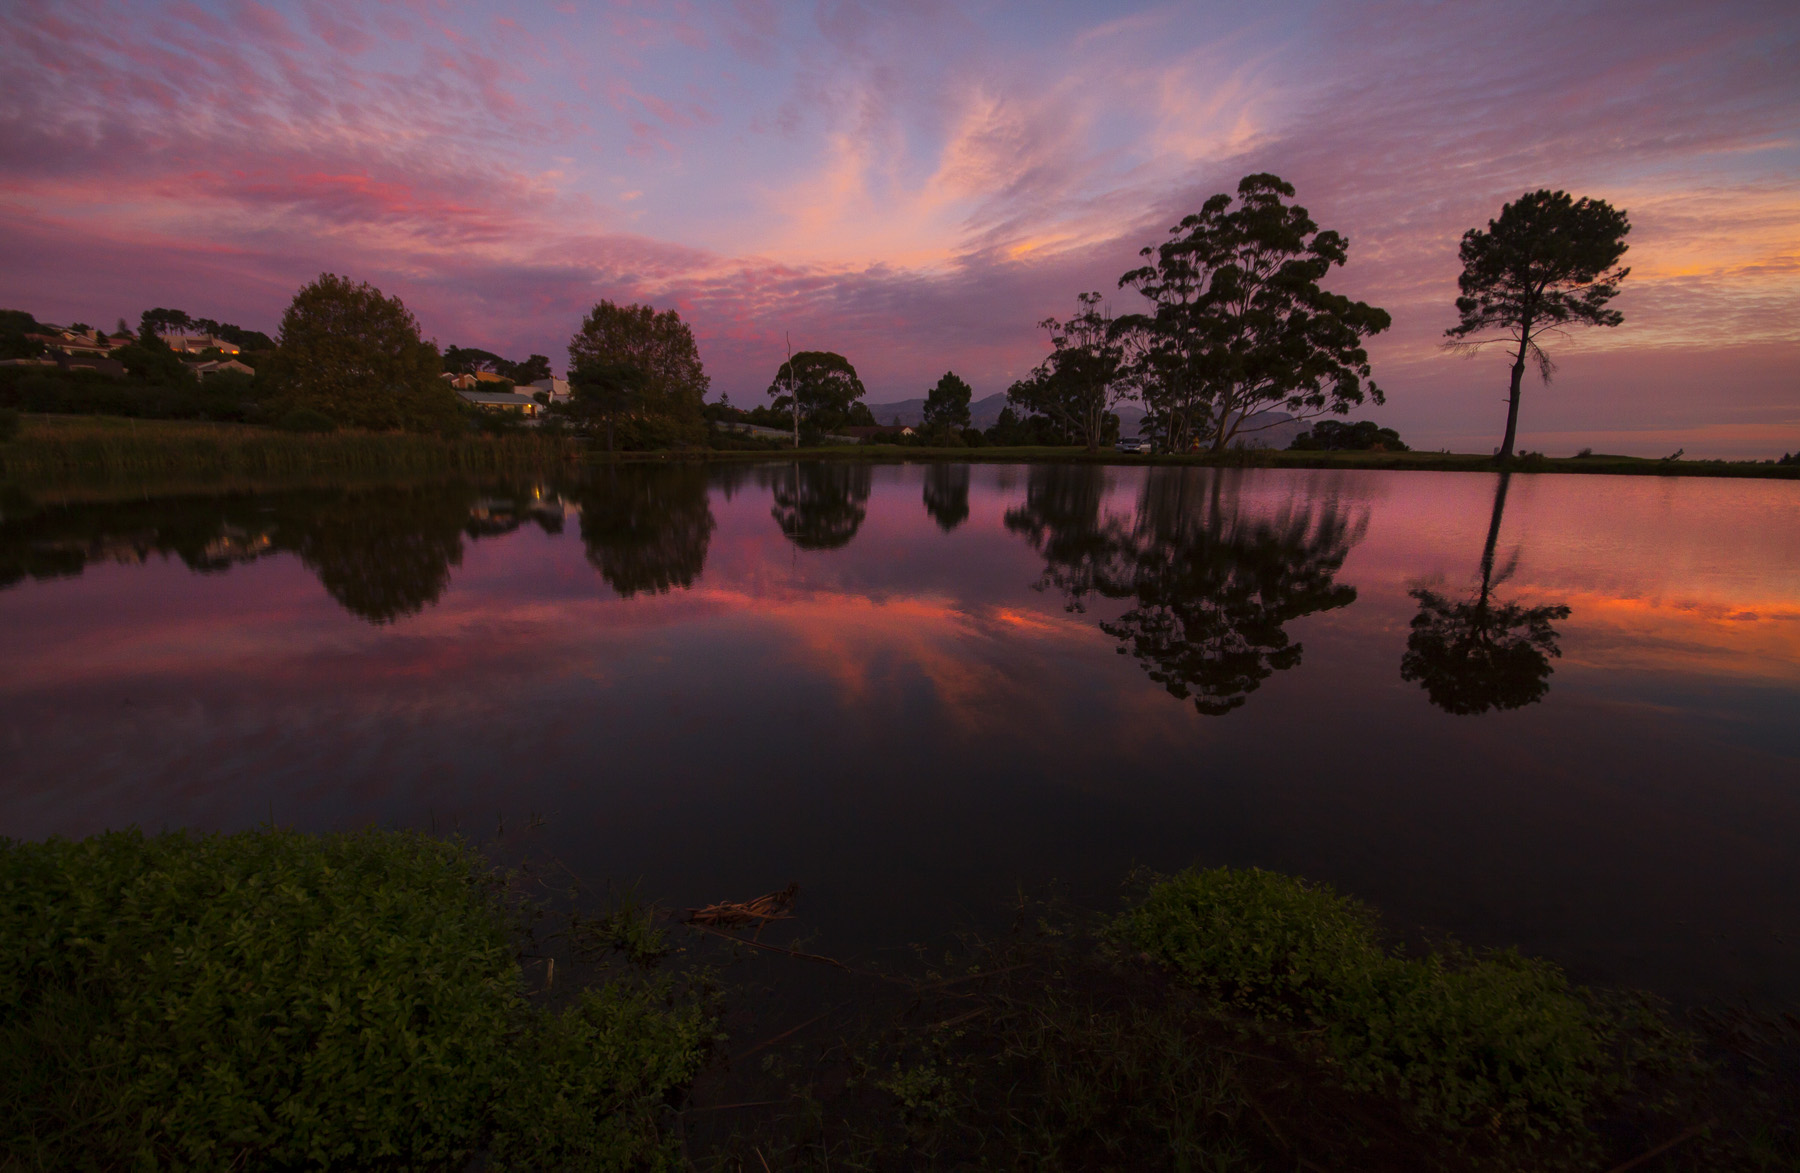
(947,404)
(658,345)
(356,357)
(1079,385)
(1241,324)
(819,389)
(1545,264)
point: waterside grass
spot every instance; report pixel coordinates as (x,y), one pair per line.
(1244,458)
(70,450)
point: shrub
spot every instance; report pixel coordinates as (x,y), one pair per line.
(9,424)
(271,999)
(1499,1040)
(1260,940)
(305,419)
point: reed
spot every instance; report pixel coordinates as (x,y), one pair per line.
(58,451)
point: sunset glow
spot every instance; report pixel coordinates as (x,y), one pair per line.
(915,185)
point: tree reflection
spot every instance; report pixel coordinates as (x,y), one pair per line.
(947,494)
(647,529)
(382,554)
(1479,654)
(819,506)
(1211,586)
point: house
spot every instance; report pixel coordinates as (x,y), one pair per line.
(203,369)
(89,362)
(196,343)
(557,389)
(502,401)
(877,431)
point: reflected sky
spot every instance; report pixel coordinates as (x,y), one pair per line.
(915,688)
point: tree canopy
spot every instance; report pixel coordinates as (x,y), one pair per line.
(1548,262)
(947,404)
(356,357)
(659,346)
(1240,323)
(1079,384)
(823,386)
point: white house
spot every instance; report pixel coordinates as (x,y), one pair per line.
(558,389)
(503,401)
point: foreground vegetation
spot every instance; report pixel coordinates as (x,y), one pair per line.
(274,1000)
(270,1000)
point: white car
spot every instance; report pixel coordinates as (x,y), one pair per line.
(1133,444)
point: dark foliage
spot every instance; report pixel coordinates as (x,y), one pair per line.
(819,505)
(1337,436)
(1547,263)
(646,530)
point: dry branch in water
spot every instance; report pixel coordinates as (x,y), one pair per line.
(758,912)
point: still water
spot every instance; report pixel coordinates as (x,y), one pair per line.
(1555,711)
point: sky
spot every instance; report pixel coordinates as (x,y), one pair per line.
(916,185)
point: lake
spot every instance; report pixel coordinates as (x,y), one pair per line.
(1561,712)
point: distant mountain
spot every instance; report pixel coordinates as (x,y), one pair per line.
(1274,429)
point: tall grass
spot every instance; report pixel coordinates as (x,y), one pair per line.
(52,451)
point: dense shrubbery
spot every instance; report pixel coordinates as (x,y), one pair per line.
(1490,1040)
(1338,436)
(271,999)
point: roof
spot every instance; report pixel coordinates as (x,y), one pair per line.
(498,398)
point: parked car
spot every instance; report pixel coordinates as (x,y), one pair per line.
(1133,444)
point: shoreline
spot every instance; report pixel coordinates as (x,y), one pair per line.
(72,452)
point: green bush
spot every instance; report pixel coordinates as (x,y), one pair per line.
(272,999)
(306,419)
(1255,939)
(1499,1039)
(1496,1040)
(9,424)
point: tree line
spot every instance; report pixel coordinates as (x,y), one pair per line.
(1236,331)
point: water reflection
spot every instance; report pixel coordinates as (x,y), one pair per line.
(819,506)
(1481,653)
(947,494)
(382,553)
(646,530)
(1211,584)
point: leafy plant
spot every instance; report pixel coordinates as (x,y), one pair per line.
(273,999)
(1495,1040)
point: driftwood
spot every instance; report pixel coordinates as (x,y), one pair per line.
(730,914)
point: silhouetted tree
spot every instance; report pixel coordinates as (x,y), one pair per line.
(947,494)
(819,506)
(1241,324)
(1480,654)
(947,404)
(660,346)
(1079,385)
(603,390)
(647,529)
(356,357)
(819,389)
(1545,264)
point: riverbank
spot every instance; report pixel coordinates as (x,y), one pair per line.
(52,451)
(71,452)
(431,1011)
(1248,458)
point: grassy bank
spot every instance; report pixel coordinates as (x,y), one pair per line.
(1257,458)
(272,1000)
(66,450)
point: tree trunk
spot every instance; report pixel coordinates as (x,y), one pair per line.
(1512,407)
